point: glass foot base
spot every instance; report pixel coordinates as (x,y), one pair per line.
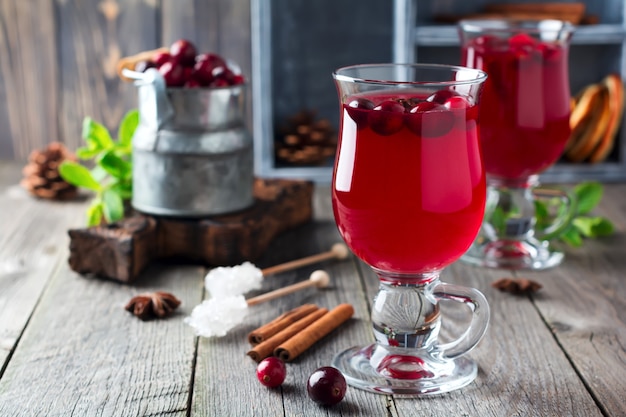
(400,371)
(513,254)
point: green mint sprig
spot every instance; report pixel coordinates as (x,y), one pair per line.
(111,177)
(584,224)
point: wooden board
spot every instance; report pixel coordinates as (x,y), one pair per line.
(122,250)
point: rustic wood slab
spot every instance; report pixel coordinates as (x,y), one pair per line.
(122,250)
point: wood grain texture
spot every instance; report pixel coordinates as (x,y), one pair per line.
(33,245)
(72,362)
(93,35)
(29,92)
(68,347)
(584,304)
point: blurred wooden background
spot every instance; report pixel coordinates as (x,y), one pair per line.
(57,59)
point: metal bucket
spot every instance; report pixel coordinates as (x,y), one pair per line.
(192,154)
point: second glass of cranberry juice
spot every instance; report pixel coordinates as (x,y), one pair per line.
(408,195)
(524,128)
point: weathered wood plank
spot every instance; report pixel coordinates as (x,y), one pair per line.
(584,303)
(28,77)
(196,20)
(33,243)
(93,35)
(83,354)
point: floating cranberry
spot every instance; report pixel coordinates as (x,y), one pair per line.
(358,110)
(456,103)
(271,372)
(429,119)
(161,58)
(521,40)
(173,73)
(326,386)
(441,96)
(387,118)
(184,52)
(549,52)
(214,59)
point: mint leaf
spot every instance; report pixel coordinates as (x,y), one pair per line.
(78,175)
(115,165)
(589,195)
(124,189)
(593,226)
(94,213)
(572,237)
(87,153)
(112,205)
(96,135)
(127,128)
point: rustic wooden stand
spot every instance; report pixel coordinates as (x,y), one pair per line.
(122,250)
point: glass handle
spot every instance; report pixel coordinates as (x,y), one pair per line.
(563,218)
(477,302)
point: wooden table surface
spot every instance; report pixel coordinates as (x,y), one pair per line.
(68,347)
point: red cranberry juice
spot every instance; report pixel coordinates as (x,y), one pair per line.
(408,184)
(525,107)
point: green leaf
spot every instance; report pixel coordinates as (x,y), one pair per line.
(78,175)
(572,237)
(589,195)
(87,153)
(593,226)
(115,165)
(96,135)
(98,173)
(127,127)
(95,213)
(113,206)
(124,189)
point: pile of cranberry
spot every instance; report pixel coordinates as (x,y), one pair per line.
(183,67)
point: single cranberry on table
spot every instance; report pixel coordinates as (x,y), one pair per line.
(271,372)
(387,118)
(184,52)
(326,386)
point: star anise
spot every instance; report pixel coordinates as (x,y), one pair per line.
(517,285)
(154,304)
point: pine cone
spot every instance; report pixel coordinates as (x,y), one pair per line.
(41,174)
(306,141)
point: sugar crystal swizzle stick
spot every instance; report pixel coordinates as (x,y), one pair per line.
(239,279)
(217,315)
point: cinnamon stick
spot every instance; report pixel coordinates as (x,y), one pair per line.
(293,347)
(266,348)
(279,323)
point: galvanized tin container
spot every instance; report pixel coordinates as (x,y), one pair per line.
(192,153)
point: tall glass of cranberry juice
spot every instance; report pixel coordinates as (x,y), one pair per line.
(524,128)
(408,195)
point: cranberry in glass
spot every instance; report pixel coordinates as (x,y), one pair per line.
(184,52)
(429,119)
(442,96)
(358,110)
(326,386)
(271,372)
(387,118)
